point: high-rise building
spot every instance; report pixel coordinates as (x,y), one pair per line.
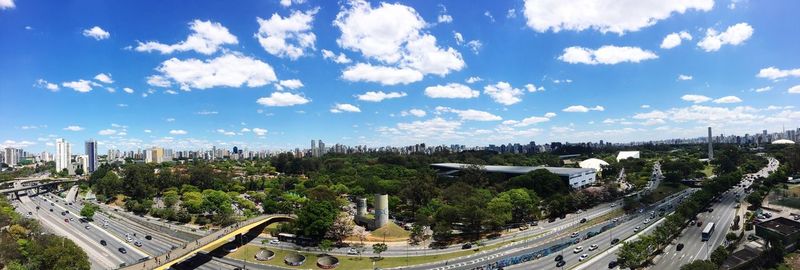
(63,154)
(10,156)
(710,145)
(91,156)
(154,155)
(314,148)
(235,150)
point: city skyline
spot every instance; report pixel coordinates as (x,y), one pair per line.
(264,75)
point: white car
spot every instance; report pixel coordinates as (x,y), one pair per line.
(352,251)
(274,242)
(577,249)
(592,247)
(583,257)
(636,229)
(647,220)
(573,235)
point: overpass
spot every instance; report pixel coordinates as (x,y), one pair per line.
(19,187)
(208,242)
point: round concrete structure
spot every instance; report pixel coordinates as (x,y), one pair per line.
(381,210)
(362,207)
(265,255)
(327,262)
(294,259)
(230,247)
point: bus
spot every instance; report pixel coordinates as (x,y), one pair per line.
(708,230)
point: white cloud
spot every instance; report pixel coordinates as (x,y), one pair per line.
(511,13)
(531,121)
(444,18)
(158,81)
(107,132)
(122,105)
(260,131)
(170,119)
(41,83)
(470,114)
(604,15)
(287,37)
(291,84)
(488,15)
(205,112)
(458,37)
(473,79)
(475,46)
(287,3)
(81,85)
(695,98)
(207,37)
(728,99)
(104,78)
(674,39)
(451,90)
(111,89)
(414,112)
(226,133)
(178,132)
(682,77)
(96,33)
(562,81)
(503,93)
(379,96)
(7,4)
(734,35)
(381,74)
(762,89)
(344,107)
(148,131)
(437,128)
(645,106)
(282,99)
(773,73)
(794,89)
(127,90)
(583,109)
(229,70)
(339,59)
(73,128)
(608,55)
(532,88)
(393,35)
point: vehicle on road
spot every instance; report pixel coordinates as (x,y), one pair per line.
(466,246)
(577,249)
(636,229)
(51,209)
(274,242)
(573,235)
(707,231)
(148,237)
(699,223)
(122,250)
(103,242)
(614,241)
(679,247)
(612,264)
(583,220)
(559,257)
(352,251)
(593,247)
(137,243)
(86,227)
(66,220)
(583,257)
(647,220)
(560,263)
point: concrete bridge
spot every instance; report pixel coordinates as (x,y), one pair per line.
(43,183)
(210,242)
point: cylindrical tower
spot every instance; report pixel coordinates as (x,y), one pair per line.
(362,207)
(381,210)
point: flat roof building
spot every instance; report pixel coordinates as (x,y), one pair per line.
(577,177)
(780,228)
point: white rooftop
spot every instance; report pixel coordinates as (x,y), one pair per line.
(627,154)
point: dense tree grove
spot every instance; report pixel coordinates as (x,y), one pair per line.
(24,246)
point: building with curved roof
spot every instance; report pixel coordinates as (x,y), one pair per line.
(782,141)
(627,154)
(593,163)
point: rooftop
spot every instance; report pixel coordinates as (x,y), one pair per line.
(514,169)
(782,225)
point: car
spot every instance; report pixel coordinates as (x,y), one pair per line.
(692,222)
(636,229)
(613,204)
(148,237)
(583,220)
(103,242)
(592,247)
(63,214)
(66,220)
(583,257)
(71,219)
(647,220)
(129,239)
(560,263)
(30,213)
(710,210)
(52,204)
(352,251)
(577,249)
(86,227)
(614,241)
(274,242)
(466,246)
(679,247)
(752,237)
(51,209)
(612,264)
(122,250)
(615,220)
(559,257)
(137,243)
(573,235)
(37,208)
(699,223)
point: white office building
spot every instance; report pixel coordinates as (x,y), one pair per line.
(63,154)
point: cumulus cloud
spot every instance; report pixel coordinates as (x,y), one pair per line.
(178,132)
(674,39)
(73,128)
(774,73)
(451,90)
(470,114)
(604,15)
(207,37)
(414,112)
(226,132)
(291,84)
(734,35)
(473,79)
(260,131)
(531,121)
(762,89)
(288,3)
(205,112)
(81,85)
(607,55)
(420,130)
(583,109)
(532,88)
(282,99)
(503,93)
(42,83)
(287,37)
(104,78)
(682,77)
(344,107)
(7,4)
(107,132)
(228,70)
(695,98)
(394,36)
(728,99)
(339,59)
(127,90)
(378,96)
(97,33)
(794,89)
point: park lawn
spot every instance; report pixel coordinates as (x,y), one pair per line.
(390,232)
(708,170)
(272,227)
(355,262)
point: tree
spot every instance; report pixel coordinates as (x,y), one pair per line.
(379,248)
(719,255)
(315,218)
(633,254)
(325,245)
(700,265)
(170,198)
(501,208)
(341,228)
(88,210)
(61,253)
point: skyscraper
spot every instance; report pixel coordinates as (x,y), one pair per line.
(10,156)
(91,155)
(63,154)
(710,145)
(314,148)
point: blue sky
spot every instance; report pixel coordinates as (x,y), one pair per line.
(276,74)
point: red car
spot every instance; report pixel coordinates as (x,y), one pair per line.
(66,220)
